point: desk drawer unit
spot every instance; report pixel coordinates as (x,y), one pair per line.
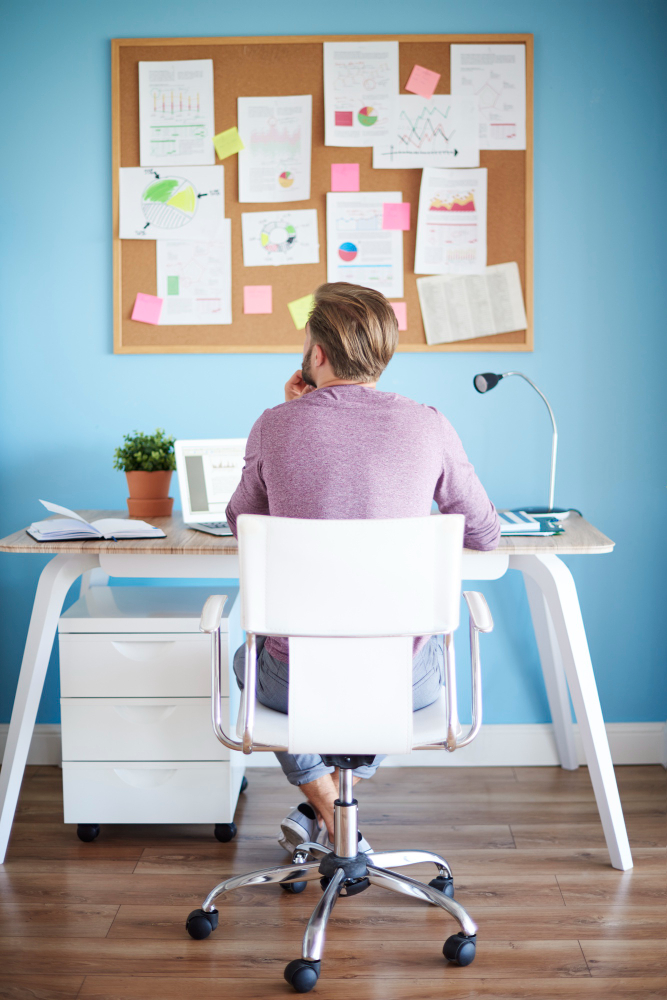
(137,741)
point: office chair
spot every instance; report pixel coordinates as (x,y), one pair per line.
(350,596)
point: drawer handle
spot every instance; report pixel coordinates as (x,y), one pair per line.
(145,714)
(151,777)
(143,651)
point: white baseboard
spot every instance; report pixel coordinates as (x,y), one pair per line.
(496,746)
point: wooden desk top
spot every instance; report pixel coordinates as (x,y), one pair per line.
(579,538)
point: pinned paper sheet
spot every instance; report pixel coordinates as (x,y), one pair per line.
(257,299)
(301,310)
(147,309)
(344,176)
(422,81)
(227,143)
(396,215)
(401,310)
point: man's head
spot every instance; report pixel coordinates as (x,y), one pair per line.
(355,330)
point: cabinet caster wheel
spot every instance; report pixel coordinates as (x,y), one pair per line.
(460,949)
(87,832)
(224,832)
(444,885)
(302,975)
(293,887)
(200,924)
(244,783)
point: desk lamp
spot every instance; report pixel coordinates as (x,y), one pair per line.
(488,380)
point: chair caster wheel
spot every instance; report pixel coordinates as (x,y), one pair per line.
(87,832)
(460,949)
(244,784)
(293,887)
(444,885)
(200,924)
(224,832)
(302,975)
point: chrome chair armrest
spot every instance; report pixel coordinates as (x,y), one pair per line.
(249,691)
(211,618)
(480,621)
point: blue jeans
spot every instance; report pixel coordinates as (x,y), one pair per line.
(272,691)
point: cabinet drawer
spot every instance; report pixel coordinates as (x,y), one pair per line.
(167,792)
(138,665)
(139,729)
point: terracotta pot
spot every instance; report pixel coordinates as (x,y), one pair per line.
(149,494)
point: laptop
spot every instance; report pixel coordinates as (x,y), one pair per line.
(208,473)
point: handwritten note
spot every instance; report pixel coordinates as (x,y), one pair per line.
(422,81)
(147,309)
(401,310)
(227,143)
(257,299)
(344,176)
(396,215)
(301,309)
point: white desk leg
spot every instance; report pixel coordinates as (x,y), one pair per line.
(554,675)
(54,582)
(557,585)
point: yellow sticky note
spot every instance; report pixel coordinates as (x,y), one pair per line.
(227,143)
(301,310)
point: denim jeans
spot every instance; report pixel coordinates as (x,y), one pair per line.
(273,686)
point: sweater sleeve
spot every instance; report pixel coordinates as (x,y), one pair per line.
(459,491)
(250,496)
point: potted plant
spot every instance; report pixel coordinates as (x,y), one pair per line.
(148,461)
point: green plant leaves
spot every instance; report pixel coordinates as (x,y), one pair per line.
(145,453)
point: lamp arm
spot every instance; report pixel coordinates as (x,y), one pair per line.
(554,436)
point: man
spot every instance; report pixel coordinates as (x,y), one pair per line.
(340,448)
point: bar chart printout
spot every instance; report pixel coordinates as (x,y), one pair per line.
(451,222)
(176,113)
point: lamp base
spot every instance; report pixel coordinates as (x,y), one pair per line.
(557,513)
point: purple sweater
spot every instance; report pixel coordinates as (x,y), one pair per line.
(348,451)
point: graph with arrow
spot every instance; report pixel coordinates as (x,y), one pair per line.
(440,132)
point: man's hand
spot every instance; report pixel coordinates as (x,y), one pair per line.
(295,388)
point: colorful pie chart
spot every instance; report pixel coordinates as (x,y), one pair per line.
(366,116)
(347,251)
(286,179)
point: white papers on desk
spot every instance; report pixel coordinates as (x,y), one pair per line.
(360,92)
(451,223)
(496,76)
(276,134)
(286,237)
(442,131)
(176,113)
(194,280)
(185,204)
(461,307)
(359,250)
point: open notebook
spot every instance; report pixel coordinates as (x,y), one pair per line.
(72,527)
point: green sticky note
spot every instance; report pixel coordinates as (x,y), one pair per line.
(301,310)
(227,143)
(172,284)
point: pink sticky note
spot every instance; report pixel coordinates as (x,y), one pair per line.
(401,310)
(257,299)
(422,81)
(344,176)
(396,215)
(147,308)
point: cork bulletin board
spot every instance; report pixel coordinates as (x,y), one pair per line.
(253,67)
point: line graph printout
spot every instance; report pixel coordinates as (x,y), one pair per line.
(271,239)
(194,280)
(359,250)
(160,204)
(442,131)
(451,222)
(275,163)
(496,76)
(360,92)
(176,113)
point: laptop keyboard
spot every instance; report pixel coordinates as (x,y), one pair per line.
(216,524)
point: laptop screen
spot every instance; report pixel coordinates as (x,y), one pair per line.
(208,474)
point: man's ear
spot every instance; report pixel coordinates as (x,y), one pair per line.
(319,357)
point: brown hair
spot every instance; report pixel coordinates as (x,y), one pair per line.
(356,328)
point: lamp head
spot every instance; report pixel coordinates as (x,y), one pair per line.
(486,381)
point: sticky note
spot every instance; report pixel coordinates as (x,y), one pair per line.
(147,308)
(396,215)
(301,310)
(401,310)
(344,176)
(422,81)
(257,299)
(228,142)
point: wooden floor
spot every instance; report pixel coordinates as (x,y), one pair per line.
(106,920)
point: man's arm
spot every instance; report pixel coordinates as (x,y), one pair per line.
(459,491)
(250,496)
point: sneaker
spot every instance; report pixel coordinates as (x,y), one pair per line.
(298,827)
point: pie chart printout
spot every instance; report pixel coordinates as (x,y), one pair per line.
(366,116)
(278,238)
(169,202)
(286,179)
(347,251)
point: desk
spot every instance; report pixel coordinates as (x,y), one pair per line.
(552,595)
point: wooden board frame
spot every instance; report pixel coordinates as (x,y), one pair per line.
(275,334)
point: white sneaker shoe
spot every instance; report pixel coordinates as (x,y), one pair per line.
(300,826)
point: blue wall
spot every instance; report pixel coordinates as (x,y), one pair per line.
(66,400)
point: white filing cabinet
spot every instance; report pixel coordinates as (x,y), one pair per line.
(135,684)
